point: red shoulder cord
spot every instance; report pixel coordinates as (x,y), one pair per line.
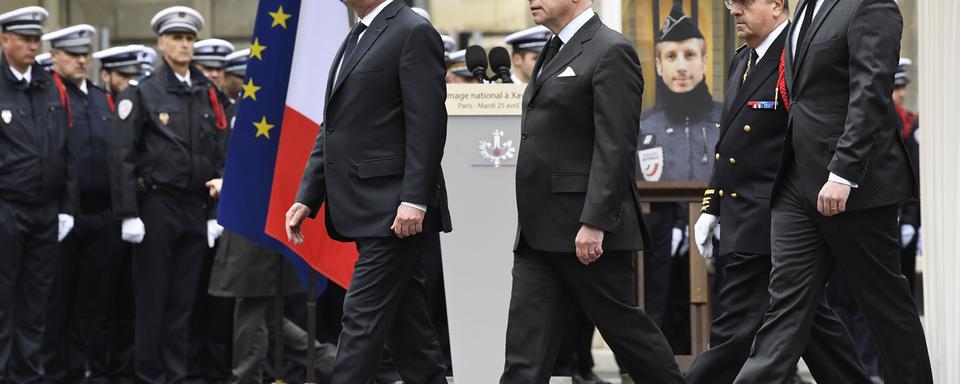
(217,110)
(782,81)
(110,102)
(64,98)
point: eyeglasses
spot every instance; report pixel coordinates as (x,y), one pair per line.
(730,3)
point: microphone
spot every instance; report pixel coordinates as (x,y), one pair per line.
(476,58)
(500,63)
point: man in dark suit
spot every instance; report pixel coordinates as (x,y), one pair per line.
(753,125)
(836,193)
(376,168)
(579,215)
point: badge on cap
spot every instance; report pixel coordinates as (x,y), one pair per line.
(7,116)
(651,163)
(124,109)
(164,117)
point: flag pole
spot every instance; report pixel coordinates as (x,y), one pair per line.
(312,329)
(278,316)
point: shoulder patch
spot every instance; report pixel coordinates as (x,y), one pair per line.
(124,109)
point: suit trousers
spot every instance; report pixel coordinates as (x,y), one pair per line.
(166,271)
(28,254)
(386,305)
(829,353)
(863,247)
(546,286)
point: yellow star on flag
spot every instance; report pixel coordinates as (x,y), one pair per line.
(279,18)
(263,128)
(256,50)
(250,90)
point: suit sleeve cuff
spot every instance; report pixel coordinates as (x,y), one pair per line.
(837,179)
(417,206)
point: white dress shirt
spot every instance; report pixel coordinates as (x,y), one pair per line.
(22,76)
(183,78)
(796,36)
(83,87)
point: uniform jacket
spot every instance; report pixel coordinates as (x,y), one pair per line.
(35,164)
(578,152)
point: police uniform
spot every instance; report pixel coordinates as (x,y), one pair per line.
(147,57)
(676,141)
(910,209)
(527,40)
(166,135)
(37,201)
(92,273)
(457,65)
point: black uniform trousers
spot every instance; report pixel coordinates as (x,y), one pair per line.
(829,353)
(28,254)
(666,279)
(211,335)
(166,271)
(545,287)
(386,305)
(863,247)
(90,310)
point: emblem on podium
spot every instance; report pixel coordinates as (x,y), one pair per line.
(497,151)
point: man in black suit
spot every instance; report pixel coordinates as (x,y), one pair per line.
(753,125)
(376,168)
(579,215)
(836,194)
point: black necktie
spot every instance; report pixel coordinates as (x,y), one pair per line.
(807,20)
(552,48)
(352,41)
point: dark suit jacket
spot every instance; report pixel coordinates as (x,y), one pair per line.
(753,138)
(842,116)
(578,143)
(384,129)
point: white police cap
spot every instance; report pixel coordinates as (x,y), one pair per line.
(147,57)
(177,19)
(124,59)
(237,62)
(44,60)
(27,21)
(530,39)
(458,63)
(212,53)
(77,39)
(449,43)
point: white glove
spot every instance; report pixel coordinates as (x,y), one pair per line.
(132,230)
(214,230)
(919,243)
(703,229)
(64,227)
(675,241)
(907,232)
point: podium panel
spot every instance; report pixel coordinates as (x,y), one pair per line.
(479,163)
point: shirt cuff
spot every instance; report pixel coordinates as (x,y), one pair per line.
(417,206)
(837,179)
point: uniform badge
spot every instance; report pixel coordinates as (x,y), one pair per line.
(7,116)
(124,109)
(651,163)
(164,117)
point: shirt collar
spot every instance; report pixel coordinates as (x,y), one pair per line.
(368,19)
(574,26)
(765,45)
(185,79)
(22,76)
(83,87)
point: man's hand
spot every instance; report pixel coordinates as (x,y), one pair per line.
(297,213)
(409,221)
(214,186)
(589,244)
(833,198)
(703,233)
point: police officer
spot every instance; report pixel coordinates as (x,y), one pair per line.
(119,68)
(457,72)
(37,193)
(909,210)
(676,141)
(233,74)
(90,268)
(526,45)
(44,61)
(166,137)
(148,57)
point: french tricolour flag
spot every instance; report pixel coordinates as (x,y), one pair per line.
(293,46)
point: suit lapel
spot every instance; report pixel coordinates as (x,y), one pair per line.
(734,86)
(804,46)
(768,66)
(333,70)
(370,36)
(567,54)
